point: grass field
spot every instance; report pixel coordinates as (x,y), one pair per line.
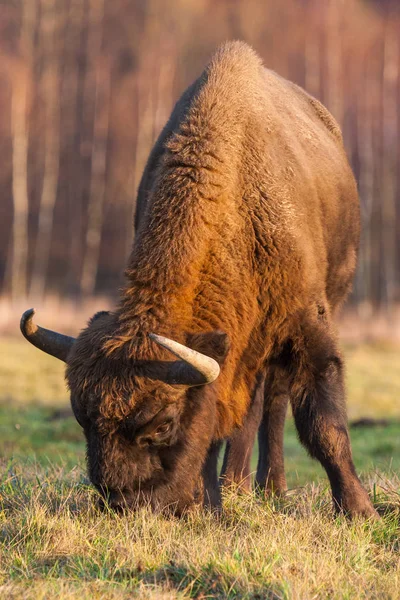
(54,542)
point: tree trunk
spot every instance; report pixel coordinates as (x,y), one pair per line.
(21,89)
(365,149)
(71,89)
(99,156)
(312,52)
(333,78)
(390,129)
(52,148)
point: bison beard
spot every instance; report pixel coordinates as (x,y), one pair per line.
(247,230)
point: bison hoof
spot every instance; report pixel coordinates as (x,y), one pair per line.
(356,506)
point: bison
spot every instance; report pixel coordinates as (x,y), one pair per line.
(247,235)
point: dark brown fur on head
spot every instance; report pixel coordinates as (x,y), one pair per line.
(137,426)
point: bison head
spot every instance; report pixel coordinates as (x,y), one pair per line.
(148,423)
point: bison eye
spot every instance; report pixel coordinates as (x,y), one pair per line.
(159,436)
(164,428)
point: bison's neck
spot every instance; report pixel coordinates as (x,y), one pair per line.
(167,264)
(159,300)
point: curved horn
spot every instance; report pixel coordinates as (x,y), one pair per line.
(196,369)
(51,342)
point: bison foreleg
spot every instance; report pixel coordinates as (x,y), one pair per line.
(211,488)
(236,468)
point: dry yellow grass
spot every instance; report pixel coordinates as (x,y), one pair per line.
(30,376)
(373,379)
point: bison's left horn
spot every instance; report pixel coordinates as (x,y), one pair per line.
(51,342)
(196,368)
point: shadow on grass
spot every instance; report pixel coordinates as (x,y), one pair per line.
(209,581)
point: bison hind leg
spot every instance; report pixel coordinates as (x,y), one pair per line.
(270,476)
(318,403)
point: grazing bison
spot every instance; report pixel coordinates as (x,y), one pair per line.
(246,245)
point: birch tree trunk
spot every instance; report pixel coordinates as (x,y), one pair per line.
(390,131)
(52,148)
(21,90)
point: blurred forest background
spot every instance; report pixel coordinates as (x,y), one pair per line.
(86,86)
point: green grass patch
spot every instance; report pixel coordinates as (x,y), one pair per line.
(51,436)
(38,432)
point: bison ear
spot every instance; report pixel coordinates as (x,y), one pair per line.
(214,344)
(97,315)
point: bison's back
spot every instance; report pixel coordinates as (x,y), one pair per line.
(296,168)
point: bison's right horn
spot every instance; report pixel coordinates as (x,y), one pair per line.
(193,369)
(51,342)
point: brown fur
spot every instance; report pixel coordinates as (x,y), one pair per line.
(251,226)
